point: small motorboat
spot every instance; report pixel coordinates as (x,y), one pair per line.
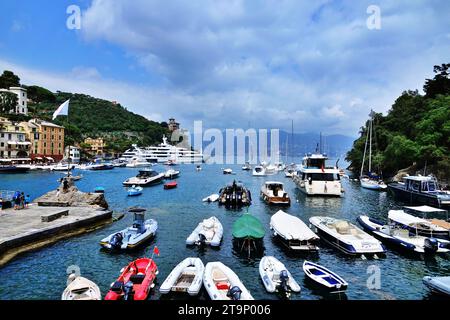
(209,231)
(276,277)
(187,276)
(273,193)
(346,237)
(248,233)
(135,281)
(212,198)
(134,236)
(271,169)
(99,190)
(198,168)
(13,169)
(417,225)
(80,288)
(247,166)
(325,278)
(259,171)
(170,185)
(134,191)
(293,232)
(235,195)
(144,178)
(227,171)
(402,238)
(171,174)
(222,283)
(289,173)
(439,285)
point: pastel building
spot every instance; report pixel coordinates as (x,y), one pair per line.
(22,99)
(14,142)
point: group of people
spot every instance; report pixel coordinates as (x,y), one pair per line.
(20,200)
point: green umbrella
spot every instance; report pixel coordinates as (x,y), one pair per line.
(248,226)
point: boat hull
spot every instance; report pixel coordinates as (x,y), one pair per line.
(414,197)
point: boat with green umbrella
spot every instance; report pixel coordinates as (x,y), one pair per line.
(248,233)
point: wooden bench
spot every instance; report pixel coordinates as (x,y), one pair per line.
(54,215)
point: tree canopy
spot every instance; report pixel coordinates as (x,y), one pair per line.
(9,79)
(416,130)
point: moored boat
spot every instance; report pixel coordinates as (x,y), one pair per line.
(134,191)
(227,171)
(145,178)
(135,281)
(211,198)
(259,171)
(420,190)
(418,226)
(170,185)
(171,174)
(80,288)
(235,195)
(207,232)
(272,192)
(439,285)
(276,277)
(187,276)
(402,238)
(134,236)
(247,166)
(222,283)
(293,232)
(324,277)
(13,169)
(346,237)
(248,233)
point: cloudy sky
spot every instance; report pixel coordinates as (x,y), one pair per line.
(231,63)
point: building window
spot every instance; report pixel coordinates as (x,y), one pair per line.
(2,144)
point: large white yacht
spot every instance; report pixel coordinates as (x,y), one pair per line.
(316,179)
(163,152)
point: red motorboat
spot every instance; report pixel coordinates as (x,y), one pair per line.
(170,185)
(135,281)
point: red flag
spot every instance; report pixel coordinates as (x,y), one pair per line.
(323,170)
(156,250)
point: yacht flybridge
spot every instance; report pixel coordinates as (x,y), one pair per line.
(316,179)
(162,153)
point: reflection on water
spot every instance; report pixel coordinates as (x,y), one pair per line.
(178,212)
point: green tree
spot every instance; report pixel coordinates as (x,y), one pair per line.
(8,102)
(400,153)
(39,94)
(440,84)
(9,79)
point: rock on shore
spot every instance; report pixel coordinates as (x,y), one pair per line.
(68,194)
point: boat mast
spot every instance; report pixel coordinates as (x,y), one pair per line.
(364,156)
(292,141)
(370,142)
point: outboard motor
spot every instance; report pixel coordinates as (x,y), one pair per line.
(201,239)
(431,245)
(284,278)
(128,291)
(234,293)
(116,241)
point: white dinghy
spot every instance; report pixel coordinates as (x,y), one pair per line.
(222,283)
(212,198)
(276,277)
(187,276)
(80,288)
(209,231)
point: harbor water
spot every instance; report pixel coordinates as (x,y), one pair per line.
(42,274)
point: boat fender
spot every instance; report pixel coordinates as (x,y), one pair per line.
(128,291)
(234,293)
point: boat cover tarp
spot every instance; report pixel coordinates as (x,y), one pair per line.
(426,209)
(405,218)
(248,226)
(291,228)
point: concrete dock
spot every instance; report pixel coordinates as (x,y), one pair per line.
(36,226)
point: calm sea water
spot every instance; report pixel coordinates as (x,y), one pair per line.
(42,274)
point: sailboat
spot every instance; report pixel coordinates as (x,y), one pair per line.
(371,180)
